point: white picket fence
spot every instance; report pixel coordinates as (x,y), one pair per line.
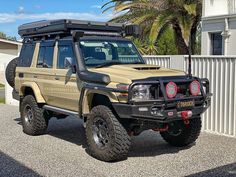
(221,72)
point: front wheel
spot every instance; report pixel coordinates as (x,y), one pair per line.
(180,134)
(106,137)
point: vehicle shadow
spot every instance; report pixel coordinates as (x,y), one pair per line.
(149,143)
(11,167)
(70,129)
(226,171)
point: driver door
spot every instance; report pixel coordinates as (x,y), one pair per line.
(67,93)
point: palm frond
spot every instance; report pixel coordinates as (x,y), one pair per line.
(160,22)
(190,8)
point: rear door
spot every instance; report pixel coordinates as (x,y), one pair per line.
(44,70)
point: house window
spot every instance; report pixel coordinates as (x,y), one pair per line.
(216,44)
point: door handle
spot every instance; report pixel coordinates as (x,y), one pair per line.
(21,75)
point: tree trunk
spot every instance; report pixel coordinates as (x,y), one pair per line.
(194,28)
(179,40)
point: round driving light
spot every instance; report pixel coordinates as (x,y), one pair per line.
(171,89)
(195,88)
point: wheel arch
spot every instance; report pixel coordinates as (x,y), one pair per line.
(32,87)
(89,96)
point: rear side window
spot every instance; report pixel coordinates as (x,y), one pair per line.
(45,57)
(26,55)
(64,51)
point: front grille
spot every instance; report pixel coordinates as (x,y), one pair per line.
(156,92)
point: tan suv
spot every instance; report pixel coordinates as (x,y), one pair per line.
(90,70)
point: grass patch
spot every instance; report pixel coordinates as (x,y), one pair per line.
(2,100)
(2,85)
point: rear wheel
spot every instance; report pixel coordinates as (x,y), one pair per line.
(180,134)
(11,72)
(34,119)
(106,137)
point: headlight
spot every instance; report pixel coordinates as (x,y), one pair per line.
(141,92)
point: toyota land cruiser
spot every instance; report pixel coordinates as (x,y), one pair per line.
(91,71)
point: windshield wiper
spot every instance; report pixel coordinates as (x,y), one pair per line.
(109,64)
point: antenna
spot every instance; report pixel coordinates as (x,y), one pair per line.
(190,57)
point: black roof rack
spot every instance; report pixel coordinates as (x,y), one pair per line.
(54,27)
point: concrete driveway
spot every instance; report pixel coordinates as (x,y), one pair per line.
(62,152)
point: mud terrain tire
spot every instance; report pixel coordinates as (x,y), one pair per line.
(188,135)
(107,139)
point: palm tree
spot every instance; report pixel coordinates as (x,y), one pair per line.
(155,16)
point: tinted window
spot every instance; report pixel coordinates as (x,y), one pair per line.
(45,57)
(63,52)
(216,44)
(41,56)
(26,55)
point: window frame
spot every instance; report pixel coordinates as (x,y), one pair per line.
(91,39)
(64,43)
(26,53)
(212,43)
(46,45)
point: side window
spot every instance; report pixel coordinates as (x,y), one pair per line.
(26,55)
(45,57)
(41,57)
(48,58)
(63,52)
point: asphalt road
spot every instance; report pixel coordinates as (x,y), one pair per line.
(2,93)
(62,152)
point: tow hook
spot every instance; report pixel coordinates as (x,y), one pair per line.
(185,116)
(161,129)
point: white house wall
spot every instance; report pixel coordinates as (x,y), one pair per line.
(217,24)
(4,60)
(216,15)
(215,7)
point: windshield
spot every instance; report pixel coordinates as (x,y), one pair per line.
(106,53)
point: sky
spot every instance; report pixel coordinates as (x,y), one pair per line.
(16,12)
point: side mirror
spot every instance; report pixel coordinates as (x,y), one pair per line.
(68,63)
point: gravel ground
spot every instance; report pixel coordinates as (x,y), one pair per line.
(62,152)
